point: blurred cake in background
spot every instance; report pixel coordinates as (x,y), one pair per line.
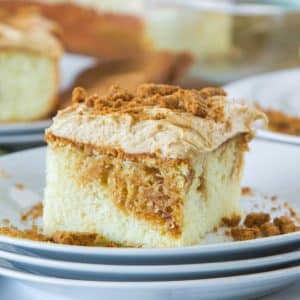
(227,39)
(99,28)
(29,66)
(127,28)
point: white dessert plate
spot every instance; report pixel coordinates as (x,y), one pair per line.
(271,168)
(275,90)
(71,65)
(24,127)
(234,287)
(104,272)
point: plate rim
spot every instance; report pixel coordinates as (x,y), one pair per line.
(288,257)
(24,127)
(286,272)
(145,252)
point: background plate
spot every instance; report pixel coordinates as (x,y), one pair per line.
(235,287)
(276,90)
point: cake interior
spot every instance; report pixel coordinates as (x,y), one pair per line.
(141,201)
(28,84)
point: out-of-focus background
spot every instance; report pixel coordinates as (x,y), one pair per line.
(192,43)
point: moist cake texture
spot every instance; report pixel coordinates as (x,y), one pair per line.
(29,56)
(158,167)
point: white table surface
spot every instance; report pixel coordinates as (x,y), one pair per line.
(12,290)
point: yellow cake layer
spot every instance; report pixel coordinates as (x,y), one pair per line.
(81,197)
(29,84)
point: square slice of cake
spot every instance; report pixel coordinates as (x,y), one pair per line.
(158,167)
(29,62)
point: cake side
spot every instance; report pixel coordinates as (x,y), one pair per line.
(140,201)
(29,85)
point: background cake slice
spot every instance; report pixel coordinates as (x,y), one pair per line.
(159,167)
(29,75)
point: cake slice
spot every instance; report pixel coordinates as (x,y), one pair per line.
(158,167)
(29,75)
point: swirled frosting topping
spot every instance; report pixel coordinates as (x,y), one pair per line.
(157,119)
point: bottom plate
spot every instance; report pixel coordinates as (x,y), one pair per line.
(106,272)
(24,139)
(235,287)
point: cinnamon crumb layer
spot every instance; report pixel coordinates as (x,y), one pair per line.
(157,119)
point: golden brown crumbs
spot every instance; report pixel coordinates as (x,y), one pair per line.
(285,224)
(293,213)
(274,198)
(247,191)
(269,229)
(20,186)
(283,123)
(227,232)
(74,238)
(35,212)
(243,234)
(205,103)
(232,221)
(282,220)
(256,219)
(69,238)
(274,209)
(30,234)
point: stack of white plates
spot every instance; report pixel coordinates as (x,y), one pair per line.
(23,134)
(218,269)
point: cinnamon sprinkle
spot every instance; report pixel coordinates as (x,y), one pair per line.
(206,103)
(247,191)
(232,221)
(259,225)
(283,123)
(35,212)
(59,237)
(19,186)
